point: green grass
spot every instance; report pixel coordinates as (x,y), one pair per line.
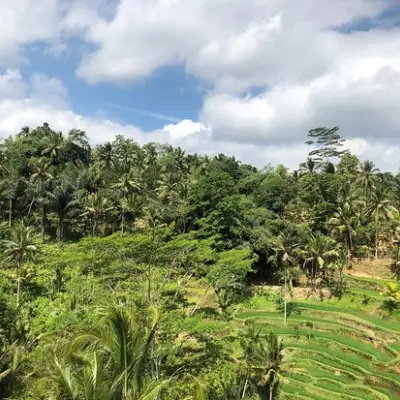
(335,350)
(366,292)
(375,281)
(317,371)
(374,321)
(365,349)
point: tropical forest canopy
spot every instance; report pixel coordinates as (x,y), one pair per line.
(124,266)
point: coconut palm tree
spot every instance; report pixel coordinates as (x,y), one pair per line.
(283,249)
(128,182)
(380,208)
(63,196)
(130,207)
(395,264)
(343,224)
(125,343)
(367,177)
(105,155)
(310,166)
(96,207)
(114,361)
(41,176)
(263,358)
(391,292)
(54,143)
(20,248)
(317,252)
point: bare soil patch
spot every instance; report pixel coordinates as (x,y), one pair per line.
(366,268)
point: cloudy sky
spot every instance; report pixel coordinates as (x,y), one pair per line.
(243,77)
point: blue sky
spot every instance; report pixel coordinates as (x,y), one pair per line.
(245,78)
(169,92)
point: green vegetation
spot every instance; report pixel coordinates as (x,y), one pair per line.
(141,272)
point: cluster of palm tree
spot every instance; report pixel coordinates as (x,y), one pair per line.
(88,191)
(116,361)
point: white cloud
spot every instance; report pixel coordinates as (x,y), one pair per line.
(52,22)
(185,128)
(314,74)
(231,43)
(31,108)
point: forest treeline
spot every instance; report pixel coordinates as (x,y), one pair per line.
(83,228)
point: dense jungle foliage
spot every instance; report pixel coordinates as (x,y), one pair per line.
(123,266)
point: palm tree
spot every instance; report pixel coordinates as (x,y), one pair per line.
(126,344)
(317,252)
(105,155)
(96,207)
(283,248)
(40,177)
(89,180)
(367,177)
(310,166)
(263,359)
(381,209)
(127,185)
(54,142)
(343,224)
(20,249)
(131,207)
(395,264)
(167,187)
(391,291)
(113,362)
(11,185)
(121,351)
(128,182)
(63,197)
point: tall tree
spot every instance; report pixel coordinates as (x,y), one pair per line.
(97,207)
(20,248)
(328,143)
(380,208)
(317,253)
(42,174)
(367,178)
(283,248)
(53,144)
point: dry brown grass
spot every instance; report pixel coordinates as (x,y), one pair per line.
(367,268)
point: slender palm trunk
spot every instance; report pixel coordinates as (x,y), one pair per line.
(18,282)
(376,238)
(123,221)
(10,213)
(245,388)
(43,220)
(30,207)
(149,282)
(285,297)
(61,227)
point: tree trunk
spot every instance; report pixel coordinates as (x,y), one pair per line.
(43,220)
(285,298)
(123,221)
(245,388)
(149,283)
(376,241)
(61,227)
(271,393)
(18,283)
(30,207)
(10,213)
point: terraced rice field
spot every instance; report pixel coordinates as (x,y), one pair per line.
(334,352)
